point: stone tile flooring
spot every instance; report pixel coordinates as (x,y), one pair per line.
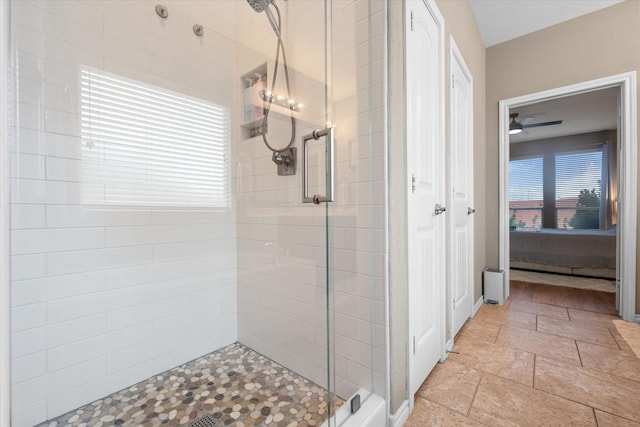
(235,384)
(564,366)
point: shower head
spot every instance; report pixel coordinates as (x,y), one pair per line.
(263,6)
(259,5)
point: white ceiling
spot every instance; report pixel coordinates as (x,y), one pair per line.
(587,112)
(502,20)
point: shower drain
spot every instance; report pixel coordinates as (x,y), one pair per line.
(206,421)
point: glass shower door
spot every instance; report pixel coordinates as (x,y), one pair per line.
(284,195)
(328,216)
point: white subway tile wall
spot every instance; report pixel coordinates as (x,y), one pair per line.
(105,296)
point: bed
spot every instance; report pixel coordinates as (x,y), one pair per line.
(576,252)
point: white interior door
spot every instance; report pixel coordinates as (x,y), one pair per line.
(425,158)
(460,190)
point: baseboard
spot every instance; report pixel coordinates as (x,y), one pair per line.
(401,415)
(477,306)
(637,318)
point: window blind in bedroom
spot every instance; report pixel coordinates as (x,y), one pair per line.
(578,180)
(525,192)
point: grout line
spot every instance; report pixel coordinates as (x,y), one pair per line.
(614,337)
(595,416)
(556,358)
(558,396)
(578,351)
(446,408)
(475,393)
(535,361)
(615,415)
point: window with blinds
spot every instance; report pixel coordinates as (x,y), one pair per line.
(578,180)
(525,192)
(146,146)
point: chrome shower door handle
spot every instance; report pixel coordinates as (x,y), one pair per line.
(317,198)
(437,209)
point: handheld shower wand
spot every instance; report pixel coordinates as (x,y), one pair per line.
(283,155)
(263,6)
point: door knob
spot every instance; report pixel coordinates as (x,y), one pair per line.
(470,211)
(437,210)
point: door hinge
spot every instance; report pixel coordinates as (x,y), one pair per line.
(412,20)
(414,344)
(413,183)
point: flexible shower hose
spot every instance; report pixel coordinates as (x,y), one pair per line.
(279,48)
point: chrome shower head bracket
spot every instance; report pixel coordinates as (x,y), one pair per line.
(162,11)
(198,30)
(286,161)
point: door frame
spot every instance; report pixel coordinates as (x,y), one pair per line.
(627,229)
(456,55)
(432,9)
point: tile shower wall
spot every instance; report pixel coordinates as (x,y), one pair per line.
(105,296)
(282,296)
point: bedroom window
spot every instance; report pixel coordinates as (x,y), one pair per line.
(525,193)
(578,181)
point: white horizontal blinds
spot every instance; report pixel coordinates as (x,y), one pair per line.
(146,146)
(525,192)
(525,179)
(578,178)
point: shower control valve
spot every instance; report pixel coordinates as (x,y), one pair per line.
(286,161)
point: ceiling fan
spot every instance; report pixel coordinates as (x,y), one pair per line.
(517,127)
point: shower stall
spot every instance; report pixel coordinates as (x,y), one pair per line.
(196,212)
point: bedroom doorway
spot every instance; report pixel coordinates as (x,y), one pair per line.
(568,187)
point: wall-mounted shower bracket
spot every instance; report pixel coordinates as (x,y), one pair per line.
(198,30)
(162,11)
(286,161)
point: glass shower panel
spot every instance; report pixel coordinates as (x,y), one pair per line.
(356,218)
(282,280)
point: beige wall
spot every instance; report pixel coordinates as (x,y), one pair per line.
(600,44)
(460,23)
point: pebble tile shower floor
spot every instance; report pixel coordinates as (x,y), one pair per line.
(236,385)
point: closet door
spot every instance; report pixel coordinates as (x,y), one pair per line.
(460,190)
(425,195)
